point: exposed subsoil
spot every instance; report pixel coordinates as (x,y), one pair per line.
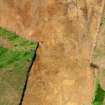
(67,33)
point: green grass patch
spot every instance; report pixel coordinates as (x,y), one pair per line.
(99,95)
(23,50)
(14,65)
(19,43)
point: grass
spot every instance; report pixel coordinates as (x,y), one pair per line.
(22,52)
(8,58)
(99,95)
(14,65)
(19,43)
(99,54)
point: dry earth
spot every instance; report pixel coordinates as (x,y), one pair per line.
(66,31)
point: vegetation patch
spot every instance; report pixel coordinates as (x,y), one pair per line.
(98,56)
(14,65)
(99,53)
(99,95)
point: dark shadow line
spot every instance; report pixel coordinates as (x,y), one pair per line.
(94,66)
(27,77)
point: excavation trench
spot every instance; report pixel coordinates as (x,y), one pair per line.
(27,76)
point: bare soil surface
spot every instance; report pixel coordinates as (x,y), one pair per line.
(66,31)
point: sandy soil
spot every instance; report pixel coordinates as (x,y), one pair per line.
(66,31)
